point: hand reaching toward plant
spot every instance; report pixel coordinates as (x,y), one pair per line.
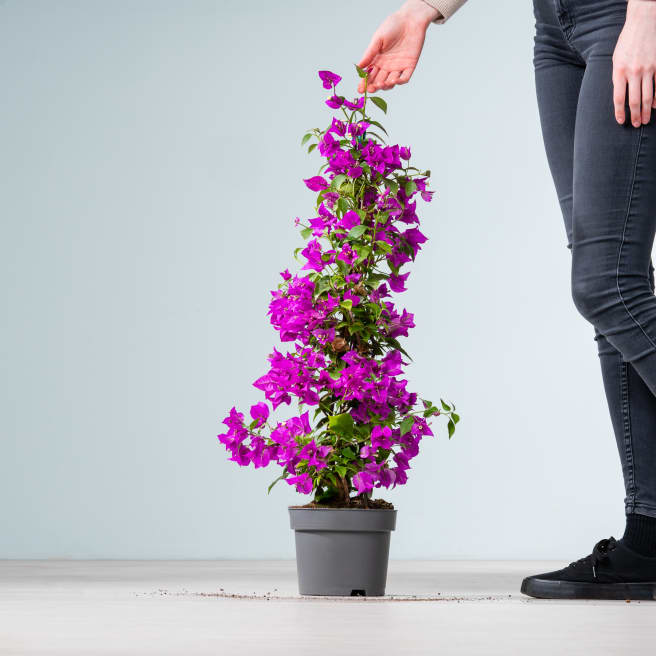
(395,47)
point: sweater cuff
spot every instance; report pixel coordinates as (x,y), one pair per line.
(445,7)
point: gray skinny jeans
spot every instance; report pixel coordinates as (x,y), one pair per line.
(605,177)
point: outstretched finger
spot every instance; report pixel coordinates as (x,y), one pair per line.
(391,80)
(405,76)
(647,97)
(377,78)
(372,50)
(619,95)
(635,92)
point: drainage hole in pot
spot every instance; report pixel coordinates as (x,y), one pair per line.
(358,593)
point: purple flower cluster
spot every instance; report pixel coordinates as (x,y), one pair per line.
(338,314)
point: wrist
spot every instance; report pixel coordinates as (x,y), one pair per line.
(420,11)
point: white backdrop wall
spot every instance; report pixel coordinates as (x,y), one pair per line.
(150,171)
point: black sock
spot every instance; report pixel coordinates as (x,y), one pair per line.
(640,534)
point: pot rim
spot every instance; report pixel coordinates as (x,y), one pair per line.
(349,509)
(335,519)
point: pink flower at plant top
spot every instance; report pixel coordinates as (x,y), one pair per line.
(329,79)
(357,104)
(335,101)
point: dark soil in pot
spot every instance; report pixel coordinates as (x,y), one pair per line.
(356,502)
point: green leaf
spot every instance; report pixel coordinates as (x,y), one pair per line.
(312,147)
(410,187)
(363,253)
(323,286)
(455,417)
(341,423)
(337,181)
(323,496)
(341,470)
(379,102)
(384,246)
(342,204)
(395,343)
(445,406)
(406,424)
(347,452)
(393,185)
(347,303)
(356,231)
(382,139)
(377,124)
(377,277)
(452,427)
(274,482)
(306,138)
(361,72)
(335,375)
(306,232)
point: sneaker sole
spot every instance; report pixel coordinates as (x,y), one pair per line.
(548,589)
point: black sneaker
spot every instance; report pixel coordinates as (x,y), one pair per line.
(611,571)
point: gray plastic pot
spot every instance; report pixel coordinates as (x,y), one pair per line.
(342,551)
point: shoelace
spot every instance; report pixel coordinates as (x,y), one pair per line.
(599,554)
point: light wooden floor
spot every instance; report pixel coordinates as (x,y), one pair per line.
(252,607)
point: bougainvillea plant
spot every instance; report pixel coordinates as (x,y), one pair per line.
(360,427)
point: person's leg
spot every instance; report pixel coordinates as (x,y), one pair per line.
(558,77)
(614,569)
(633,414)
(613,227)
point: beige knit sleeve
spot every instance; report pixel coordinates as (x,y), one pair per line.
(445,7)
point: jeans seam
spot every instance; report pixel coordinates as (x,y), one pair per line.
(628,436)
(619,254)
(569,35)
